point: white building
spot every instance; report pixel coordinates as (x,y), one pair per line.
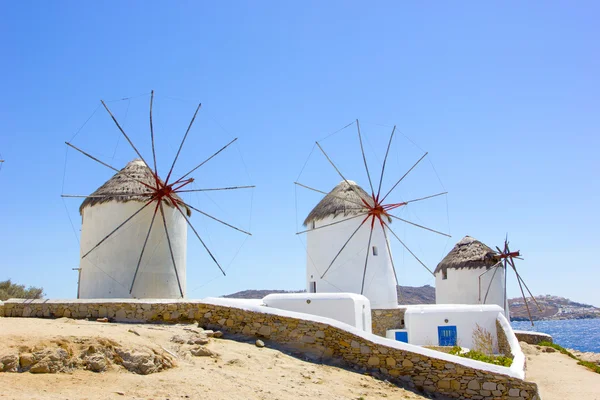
(349,308)
(470,274)
(451,324)
(108,271)
(330,224)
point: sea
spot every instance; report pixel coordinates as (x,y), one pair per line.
(577,334)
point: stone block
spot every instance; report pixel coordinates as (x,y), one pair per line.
(474,385)
(373,361)
(514,392)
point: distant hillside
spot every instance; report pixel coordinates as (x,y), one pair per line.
(406,294)
(258,294)
(553,307)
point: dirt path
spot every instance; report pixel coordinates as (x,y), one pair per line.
(241,371)
(559,377)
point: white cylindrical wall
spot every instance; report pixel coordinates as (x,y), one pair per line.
(107,272)
(469,286)
(346,273)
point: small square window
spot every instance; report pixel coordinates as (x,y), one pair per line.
(313,287)
(444,274)
(375,251)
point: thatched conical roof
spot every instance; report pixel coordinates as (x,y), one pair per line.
(342,200)
(123,187)
(468,253)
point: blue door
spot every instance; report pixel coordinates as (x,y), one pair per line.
(402,336)
(447,335)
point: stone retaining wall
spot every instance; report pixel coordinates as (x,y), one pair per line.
(411,369)
(532,337)
(1,309)
(382,320)
(503,345)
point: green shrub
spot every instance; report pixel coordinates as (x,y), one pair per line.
(476,355)
(9,290)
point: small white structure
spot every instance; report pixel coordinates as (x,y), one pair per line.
(346,273)
(471,274)
(450,325)
(108,271)
(352,309)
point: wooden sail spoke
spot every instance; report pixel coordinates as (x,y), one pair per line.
(409,250)
(118,227)
(149,194)
(124,134)
(362,287)
(216,189)
(344,246)
(340,174)
(108,165)
(329,194)
(214,218)
(152,139)
(384,161)
(403,176)
(182,142)
(333,223)
(137,268)
(389,250)
(162,214)
(420,226)
(426,197)
(199,238)
(362,150)
(204,162)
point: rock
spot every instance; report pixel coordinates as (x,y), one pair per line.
(514,392)
(9,363)
(549,350)
(264,330)
(96,363)
(259,343)
(134,332)
(202,351)
(218,334)
(489,386)
(143,362)
(373,361)
(178,339)
(102,319)
(26,360)
(43,367)
(474,385)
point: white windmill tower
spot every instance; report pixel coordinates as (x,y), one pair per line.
(473,273)
(467,271)
(335,218)
(153,275)
(348,248)
(134,227)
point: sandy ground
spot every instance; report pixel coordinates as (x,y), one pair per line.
(559,377)
(241,371)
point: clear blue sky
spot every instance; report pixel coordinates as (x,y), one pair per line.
(503,95)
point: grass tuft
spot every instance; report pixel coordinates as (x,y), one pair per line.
(587,364)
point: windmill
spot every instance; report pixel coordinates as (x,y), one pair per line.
(141,183)
(505,258)
(365,217)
